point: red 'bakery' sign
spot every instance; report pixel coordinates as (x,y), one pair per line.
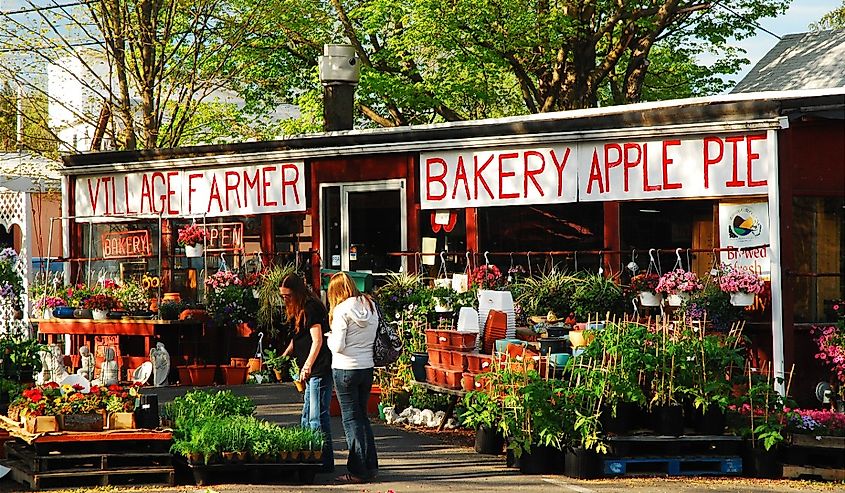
(126,244)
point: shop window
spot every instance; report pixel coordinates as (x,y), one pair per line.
(291,235)
(818,239)
(543,228)
(668,225)
(447,231)
(102,257)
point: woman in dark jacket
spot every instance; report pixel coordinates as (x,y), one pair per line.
(310,321)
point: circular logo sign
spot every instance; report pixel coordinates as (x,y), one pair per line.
(744,224)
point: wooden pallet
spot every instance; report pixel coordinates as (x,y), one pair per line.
(86,477)
(672,466)
(791,471)
(88,461)
(667,446)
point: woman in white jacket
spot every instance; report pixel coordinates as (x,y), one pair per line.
(354,320)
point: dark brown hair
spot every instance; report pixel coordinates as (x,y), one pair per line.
(300,294)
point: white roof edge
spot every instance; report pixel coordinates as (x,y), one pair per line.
(595,112)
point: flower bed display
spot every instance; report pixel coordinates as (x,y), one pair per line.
(72,408)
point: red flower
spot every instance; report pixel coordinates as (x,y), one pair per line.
(51,385)
(77,387)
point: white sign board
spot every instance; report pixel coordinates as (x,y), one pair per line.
(745,226)
(178,193)
(689,167)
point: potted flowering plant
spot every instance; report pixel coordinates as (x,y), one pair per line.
(45,305)
(646,286)
(100,304)
(831,344)
(742,285)
(192,237)
(487,276)
(678,285)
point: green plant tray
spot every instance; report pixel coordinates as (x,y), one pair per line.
(248,472)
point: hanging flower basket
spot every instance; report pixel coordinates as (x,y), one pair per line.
(676,299)
(194,251)
(741,298)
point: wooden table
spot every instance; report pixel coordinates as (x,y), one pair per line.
(88,327)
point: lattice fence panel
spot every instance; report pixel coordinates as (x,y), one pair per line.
(13,212)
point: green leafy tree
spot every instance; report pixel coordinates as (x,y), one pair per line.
(445,60)
(835,19)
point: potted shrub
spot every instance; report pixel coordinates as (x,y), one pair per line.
(742,285)
(646,287)
(294,374)
(170,310)
(275,362)
(193,237)
(549,293)
(100,305)
(483,413)
(595,297)
(442,297)
(677,285)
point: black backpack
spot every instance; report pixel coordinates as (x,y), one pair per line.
(388,345)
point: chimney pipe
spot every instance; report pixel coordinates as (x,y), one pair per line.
(339,74)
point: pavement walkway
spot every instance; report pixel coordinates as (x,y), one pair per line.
(413,462)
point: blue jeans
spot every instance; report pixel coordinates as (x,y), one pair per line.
(353,393)
(315,414)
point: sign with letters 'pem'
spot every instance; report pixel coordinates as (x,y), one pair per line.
(214,192)
(677,167)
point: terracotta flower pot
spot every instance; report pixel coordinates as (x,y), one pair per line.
(300,386)
(202,376)
(184,375)
(238,362)
(254,365)
(234,375)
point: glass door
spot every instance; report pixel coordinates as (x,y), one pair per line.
(361,223)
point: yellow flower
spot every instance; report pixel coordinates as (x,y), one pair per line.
(67,389)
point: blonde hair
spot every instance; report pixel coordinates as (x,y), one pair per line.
(341,288)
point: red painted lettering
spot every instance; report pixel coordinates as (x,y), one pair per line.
(611,164)
(666,162)
(708,161)
(232,187)
(251,185)
(214,193)
(146,191)
(430,179)
(126,195)
(480,178)
(265,184)
(163,196)
(529,173)
(560,165)
(292,182)
(751,157)
(504,174)
(93,195)
(461,175)
(595,174)
(191,190)
(735,182)
(646,186)
(628,162)
(171,192)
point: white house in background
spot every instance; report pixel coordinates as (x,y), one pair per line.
(78,89)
